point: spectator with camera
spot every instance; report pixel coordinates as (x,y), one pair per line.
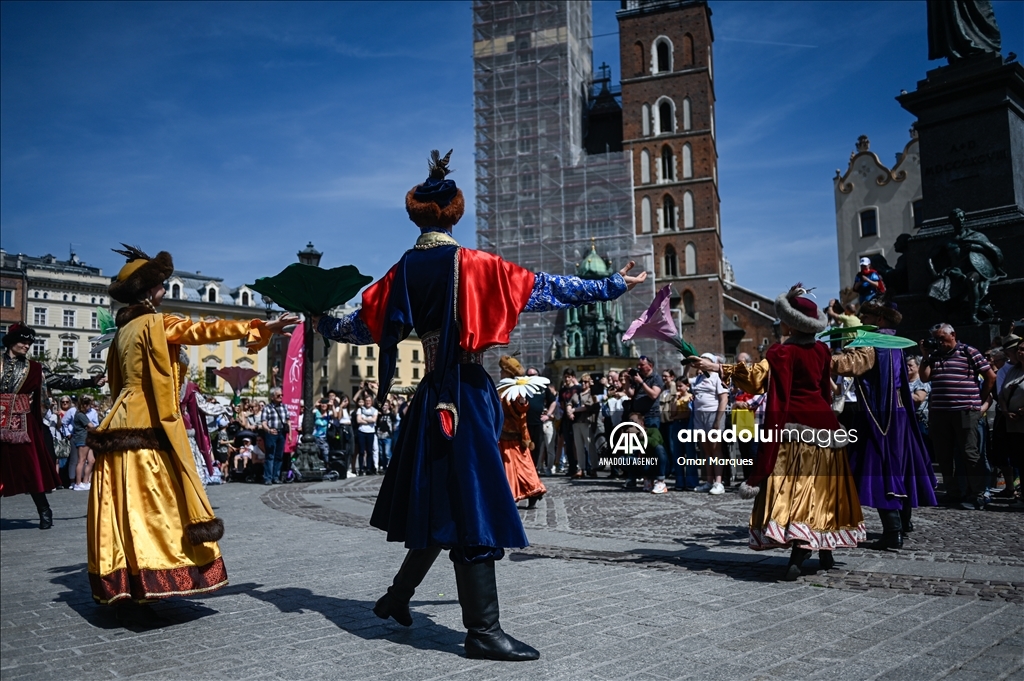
(643,386)
(955,408)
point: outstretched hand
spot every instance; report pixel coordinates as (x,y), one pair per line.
(630,280)
(278,325)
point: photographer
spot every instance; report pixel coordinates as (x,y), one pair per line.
(955,407)
(643,387)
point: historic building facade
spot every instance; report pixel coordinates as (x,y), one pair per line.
(60,299)
(875,205)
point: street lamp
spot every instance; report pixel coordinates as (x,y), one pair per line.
(308,459)
(269,304)
(309,255)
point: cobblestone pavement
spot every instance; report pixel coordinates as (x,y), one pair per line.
(616,585)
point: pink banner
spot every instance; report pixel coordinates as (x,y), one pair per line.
(291,386)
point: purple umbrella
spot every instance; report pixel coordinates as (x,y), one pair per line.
(237,377)
(656,322)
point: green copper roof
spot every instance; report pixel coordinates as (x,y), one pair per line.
(593,266)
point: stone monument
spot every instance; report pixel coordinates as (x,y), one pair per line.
(965,265)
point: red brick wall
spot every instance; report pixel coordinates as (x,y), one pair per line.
(689,78)
(10,315)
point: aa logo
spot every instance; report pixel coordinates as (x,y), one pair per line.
(629,438)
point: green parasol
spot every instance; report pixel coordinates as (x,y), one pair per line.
(312,290)
(865,337)
(105,322)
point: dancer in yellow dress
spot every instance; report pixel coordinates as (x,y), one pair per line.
(151,530)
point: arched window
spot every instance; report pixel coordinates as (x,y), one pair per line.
(689,306)
(687,123)
(175,291)
(645,167)
(668,215)
(211,294)
(668,164)
(691,258)
(664,56)
(665,122)
(687,161)
(245,298)
(645,215)
(671,268)
(688,210)
(638,49)
(645,114)
(688,59)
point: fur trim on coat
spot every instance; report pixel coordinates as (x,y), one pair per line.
(135,286)
(127,314)
(796,320)
(127,440)
(747,491)
(426,214)
(205,532)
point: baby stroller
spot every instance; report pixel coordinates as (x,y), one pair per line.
(247,471)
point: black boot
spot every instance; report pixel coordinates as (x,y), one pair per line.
(796,561)
(905,521)
(43,507)
(478,595)
(532,501)
(825,560)
(395,603)
(892,532)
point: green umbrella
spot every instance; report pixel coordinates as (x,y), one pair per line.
(864,337)
(312,290)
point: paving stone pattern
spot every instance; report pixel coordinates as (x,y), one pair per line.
(305,569)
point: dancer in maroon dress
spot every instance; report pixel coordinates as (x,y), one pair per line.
(26,466)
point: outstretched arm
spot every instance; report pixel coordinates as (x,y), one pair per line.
(559,292)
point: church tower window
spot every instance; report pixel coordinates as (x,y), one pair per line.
(671,268)
(669,214)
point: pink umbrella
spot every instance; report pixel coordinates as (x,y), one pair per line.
(656,322)
(237,377)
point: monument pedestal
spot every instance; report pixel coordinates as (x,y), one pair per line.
(971,129)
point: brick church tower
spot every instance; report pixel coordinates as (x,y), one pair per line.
(668,112)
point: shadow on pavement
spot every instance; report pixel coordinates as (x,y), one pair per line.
(160,614)
(356,617)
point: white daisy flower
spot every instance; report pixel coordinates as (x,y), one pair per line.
(512,389)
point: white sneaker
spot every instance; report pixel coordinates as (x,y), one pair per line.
(717,488)
(659,487)
(85,486)
(706,487)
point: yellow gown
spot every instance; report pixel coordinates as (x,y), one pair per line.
(810,498)
(151,531)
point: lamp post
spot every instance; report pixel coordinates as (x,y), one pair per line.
(307,459)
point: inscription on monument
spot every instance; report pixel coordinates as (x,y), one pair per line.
(966,162)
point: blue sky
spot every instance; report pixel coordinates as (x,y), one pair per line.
(231,133)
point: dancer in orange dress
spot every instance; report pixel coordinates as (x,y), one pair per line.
(514,443)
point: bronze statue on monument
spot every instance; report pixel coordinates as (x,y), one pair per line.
(960,29)
(963,269)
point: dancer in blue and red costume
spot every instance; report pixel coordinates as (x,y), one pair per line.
(445,487)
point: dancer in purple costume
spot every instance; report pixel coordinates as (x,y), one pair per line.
(890,460)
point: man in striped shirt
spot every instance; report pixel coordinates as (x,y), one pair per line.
(955,407)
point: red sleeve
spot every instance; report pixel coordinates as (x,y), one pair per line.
(492,293)
(375,304)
